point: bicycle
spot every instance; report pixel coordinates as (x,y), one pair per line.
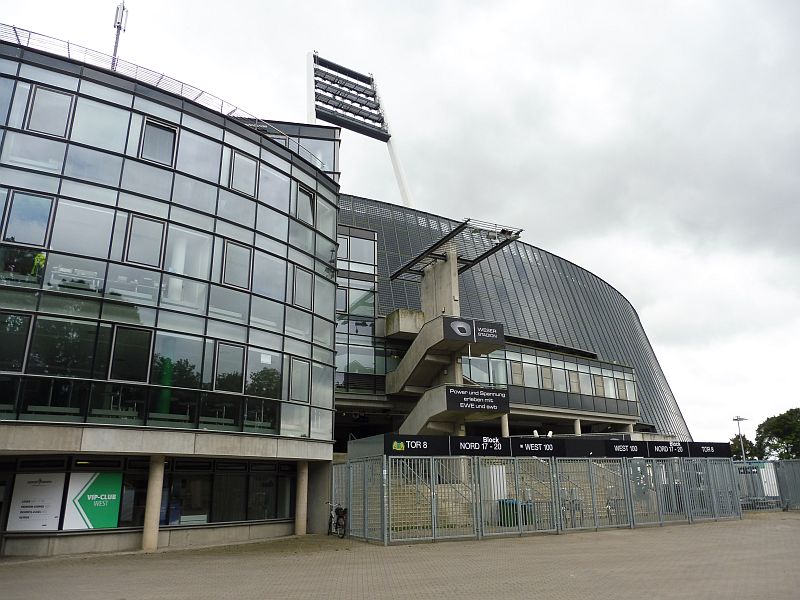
(337,521)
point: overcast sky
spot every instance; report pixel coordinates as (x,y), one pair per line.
(656,144)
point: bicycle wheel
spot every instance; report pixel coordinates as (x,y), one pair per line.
(340,527)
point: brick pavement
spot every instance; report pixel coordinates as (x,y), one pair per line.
(756,558)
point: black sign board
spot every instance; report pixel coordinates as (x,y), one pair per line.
(527,446)
(709,450)
(668,449)
(480,446)
(460,397)
(396,444)
(615,449)
(468,330)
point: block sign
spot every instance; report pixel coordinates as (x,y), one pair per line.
(462,398)
(93,501)
(36,503)
(469,330)
(668,449)
(480,446)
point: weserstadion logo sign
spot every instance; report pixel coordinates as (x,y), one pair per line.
(469,330)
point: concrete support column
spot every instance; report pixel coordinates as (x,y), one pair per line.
(504,426)
(577,426)
(301,499)
(629,428)
(152,508)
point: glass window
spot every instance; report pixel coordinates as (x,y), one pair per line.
(498,371)
(261,415)
(237,265)
(631,390)
(362,250)
(599,387)
(184,294)
(321,385)
(323,332)
(559,380)
(263,373)
(28,219)
(230,495)
(516,373)
(273,188)
(137,286)
(237,209)
(585,383)
(50,112)
(608,387)
(131,355)
(91,165)
(266,314)
(54,399)
(294,420)
(82,229)
(622,393)
(195,194)
(305,206)
(300,380)
(574,382)
(75,275)
(321,424)
(272,223)
(147,179)
(199,156)
(322,149)
(243,175)
(302,287)
(301,237)
(158,144)
(189,499)
(14,333)
(362,302)
(229,368)
(228,305)
(21,266)
(262,496)
(177,360)
(6,89)
(144,241)
(69,306)
(298,324)
(269,276)
(100,125)
(547,377)
(33,152)
(362,360)
(62,347)
(324,295)
(188,252)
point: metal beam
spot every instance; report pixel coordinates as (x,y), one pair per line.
(431,250)
(488,253)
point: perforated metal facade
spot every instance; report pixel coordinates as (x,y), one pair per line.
(536,295)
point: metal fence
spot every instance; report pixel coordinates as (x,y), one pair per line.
(769,485)
(403,499)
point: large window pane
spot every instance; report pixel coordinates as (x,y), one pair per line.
(263,373)
(21,266)
(75,275)
(222,412)
(301,237)
(184,294)
(198,156)
(326,218)
(14,335)
(321,385)
(147,179)
(262,496)
(305,206)
(159,143)
(33,152)
(144,242)
(118,404)
(300,380)
(92,165)
(294,420)
(302,287)
(269,276)
(230,497)
(298,324)
(137,286)
(188,252)
(172,408)
(321,424)
(28,219)
(229,368)
(195,194)
(131,355)
(243,176)
(324,297)
(272,223)
(74,221)
(228,305)
(362,250)
(261,416)
(54,400)
(236,208)
(273,188)
(100,125)
(237,265)
(190,499)
(62,347)
(177,360)
(50,112)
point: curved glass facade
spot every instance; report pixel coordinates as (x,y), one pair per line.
(160,264)
(537,296)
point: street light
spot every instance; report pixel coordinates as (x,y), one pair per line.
(739,420)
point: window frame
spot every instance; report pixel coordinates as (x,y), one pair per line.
(147,120)
(223,279)
(292,361)
(129,232)
(117,327)
(312,196)
(294,288)
(28,336)
(35,87)
(234,154)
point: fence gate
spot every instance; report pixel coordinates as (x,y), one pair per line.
(610,492)
(788,472)
(537,494)
(453,497)
(498,506)
(410,499)
(575,493)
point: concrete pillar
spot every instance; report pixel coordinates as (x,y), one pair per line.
(439,288)
(301,499)
(629,428)
(577,426)
(504,426)
(152,508)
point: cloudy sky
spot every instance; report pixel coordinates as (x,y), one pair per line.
(655,143)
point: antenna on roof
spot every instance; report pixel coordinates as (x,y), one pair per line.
(120,23)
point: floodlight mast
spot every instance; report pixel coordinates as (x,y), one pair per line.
(311,113)
(120,24)
(397,167)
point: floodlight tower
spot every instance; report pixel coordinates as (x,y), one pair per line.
(350,99)
(120,23)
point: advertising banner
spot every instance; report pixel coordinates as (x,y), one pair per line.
(36,502)
(93,501)
(461,397)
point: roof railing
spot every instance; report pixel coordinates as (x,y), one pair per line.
(38,41)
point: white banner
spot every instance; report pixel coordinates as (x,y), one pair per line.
(36,502)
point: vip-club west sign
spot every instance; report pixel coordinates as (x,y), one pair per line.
(93,501)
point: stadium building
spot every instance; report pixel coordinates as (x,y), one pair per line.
(193,317)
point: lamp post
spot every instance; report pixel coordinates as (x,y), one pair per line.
(739,420)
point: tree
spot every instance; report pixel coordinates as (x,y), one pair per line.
(779,436)
(753,451)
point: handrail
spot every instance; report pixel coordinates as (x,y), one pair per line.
(66,49)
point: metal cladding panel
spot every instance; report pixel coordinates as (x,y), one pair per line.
(535,294)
